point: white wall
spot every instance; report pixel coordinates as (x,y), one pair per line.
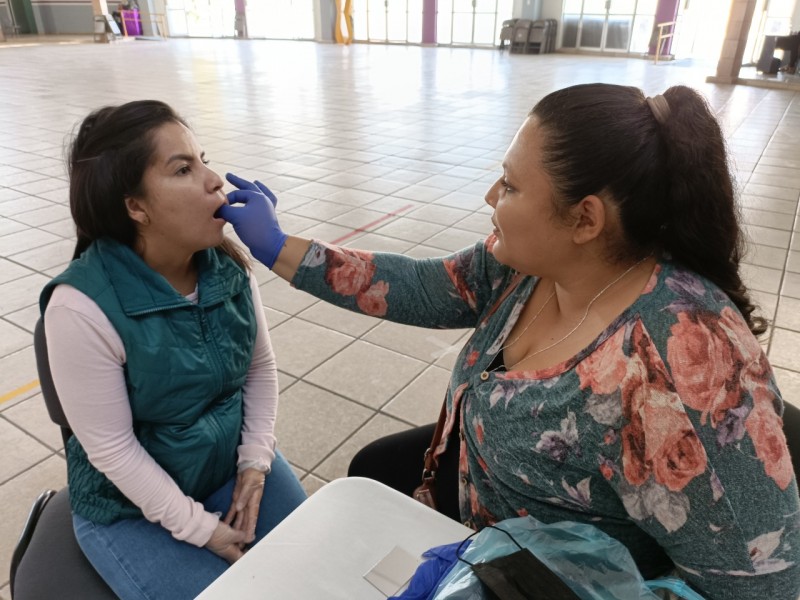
(544,9)
(551,9)
(796,18)
(527,9)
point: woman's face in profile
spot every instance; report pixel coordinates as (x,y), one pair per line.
(181,195)
(530,238)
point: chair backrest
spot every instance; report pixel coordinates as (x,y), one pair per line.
(521,29)
(51,400)
(537,34)
(507,30)
(791,429)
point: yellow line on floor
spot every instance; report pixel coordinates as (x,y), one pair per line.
(20,390)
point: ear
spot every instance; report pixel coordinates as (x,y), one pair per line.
(136,210)
(589,219)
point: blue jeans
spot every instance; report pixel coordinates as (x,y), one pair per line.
(141,560)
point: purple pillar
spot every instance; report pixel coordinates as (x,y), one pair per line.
(429,21)
(666,11)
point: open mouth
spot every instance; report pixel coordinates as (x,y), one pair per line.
(224,203)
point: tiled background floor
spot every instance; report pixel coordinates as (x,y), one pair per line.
(346,136)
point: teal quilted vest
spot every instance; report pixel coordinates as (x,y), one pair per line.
(186,365)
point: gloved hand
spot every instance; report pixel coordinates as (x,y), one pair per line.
(255,222)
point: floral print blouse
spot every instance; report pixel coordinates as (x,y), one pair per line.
(665,432)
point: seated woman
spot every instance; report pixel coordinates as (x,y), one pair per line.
(613,377)
(161,357)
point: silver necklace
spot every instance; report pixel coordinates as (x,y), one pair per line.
(485,374)
(531,322)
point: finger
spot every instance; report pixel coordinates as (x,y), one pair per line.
(238,523)
(267,192)
(240,183)
(242,196)
(230,516)
(227,212)
(232,553)
(235,536)
(250,515)
(246,493)
(241,536)
(252,520)
(235,554)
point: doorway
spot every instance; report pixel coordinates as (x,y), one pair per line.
(280,19)
(608,25)
(771,17)
(700,29)
(471,22)
(201,18)
(387,21)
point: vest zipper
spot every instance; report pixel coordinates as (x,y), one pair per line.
(148,311)
(211,346)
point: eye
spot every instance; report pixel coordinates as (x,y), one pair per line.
(205,161)
(507,188)
(184,170)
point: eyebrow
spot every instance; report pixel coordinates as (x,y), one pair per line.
(186,157)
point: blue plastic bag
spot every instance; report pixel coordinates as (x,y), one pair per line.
(593,564)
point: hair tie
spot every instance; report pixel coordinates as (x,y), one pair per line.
(660,108)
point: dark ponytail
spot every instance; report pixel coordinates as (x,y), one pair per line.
(704,231)
(666,168)
(107,160)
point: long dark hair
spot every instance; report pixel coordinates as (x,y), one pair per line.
(669,176)
(107,160)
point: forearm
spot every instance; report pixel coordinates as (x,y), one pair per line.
(260,397)
(290,257)
(448,292)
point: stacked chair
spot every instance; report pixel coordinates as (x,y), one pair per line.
(519,36)
(529,37)
(550,37)
(507,33)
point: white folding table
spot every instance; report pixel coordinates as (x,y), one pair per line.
(326,546)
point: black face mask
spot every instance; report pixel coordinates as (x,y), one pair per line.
(520,576)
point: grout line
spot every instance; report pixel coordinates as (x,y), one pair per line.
(372,224)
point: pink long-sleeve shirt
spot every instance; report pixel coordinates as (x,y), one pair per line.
(87,359)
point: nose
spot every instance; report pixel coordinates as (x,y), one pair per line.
(492,195)
(214,181)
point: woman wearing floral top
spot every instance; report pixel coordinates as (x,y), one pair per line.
(613,377)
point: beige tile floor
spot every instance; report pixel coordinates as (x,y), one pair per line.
(382,147)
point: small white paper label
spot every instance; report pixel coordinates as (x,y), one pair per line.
(393,571)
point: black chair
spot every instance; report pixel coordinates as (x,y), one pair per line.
(47,561)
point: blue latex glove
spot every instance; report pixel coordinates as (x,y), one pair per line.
(255,221)
(425,581)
